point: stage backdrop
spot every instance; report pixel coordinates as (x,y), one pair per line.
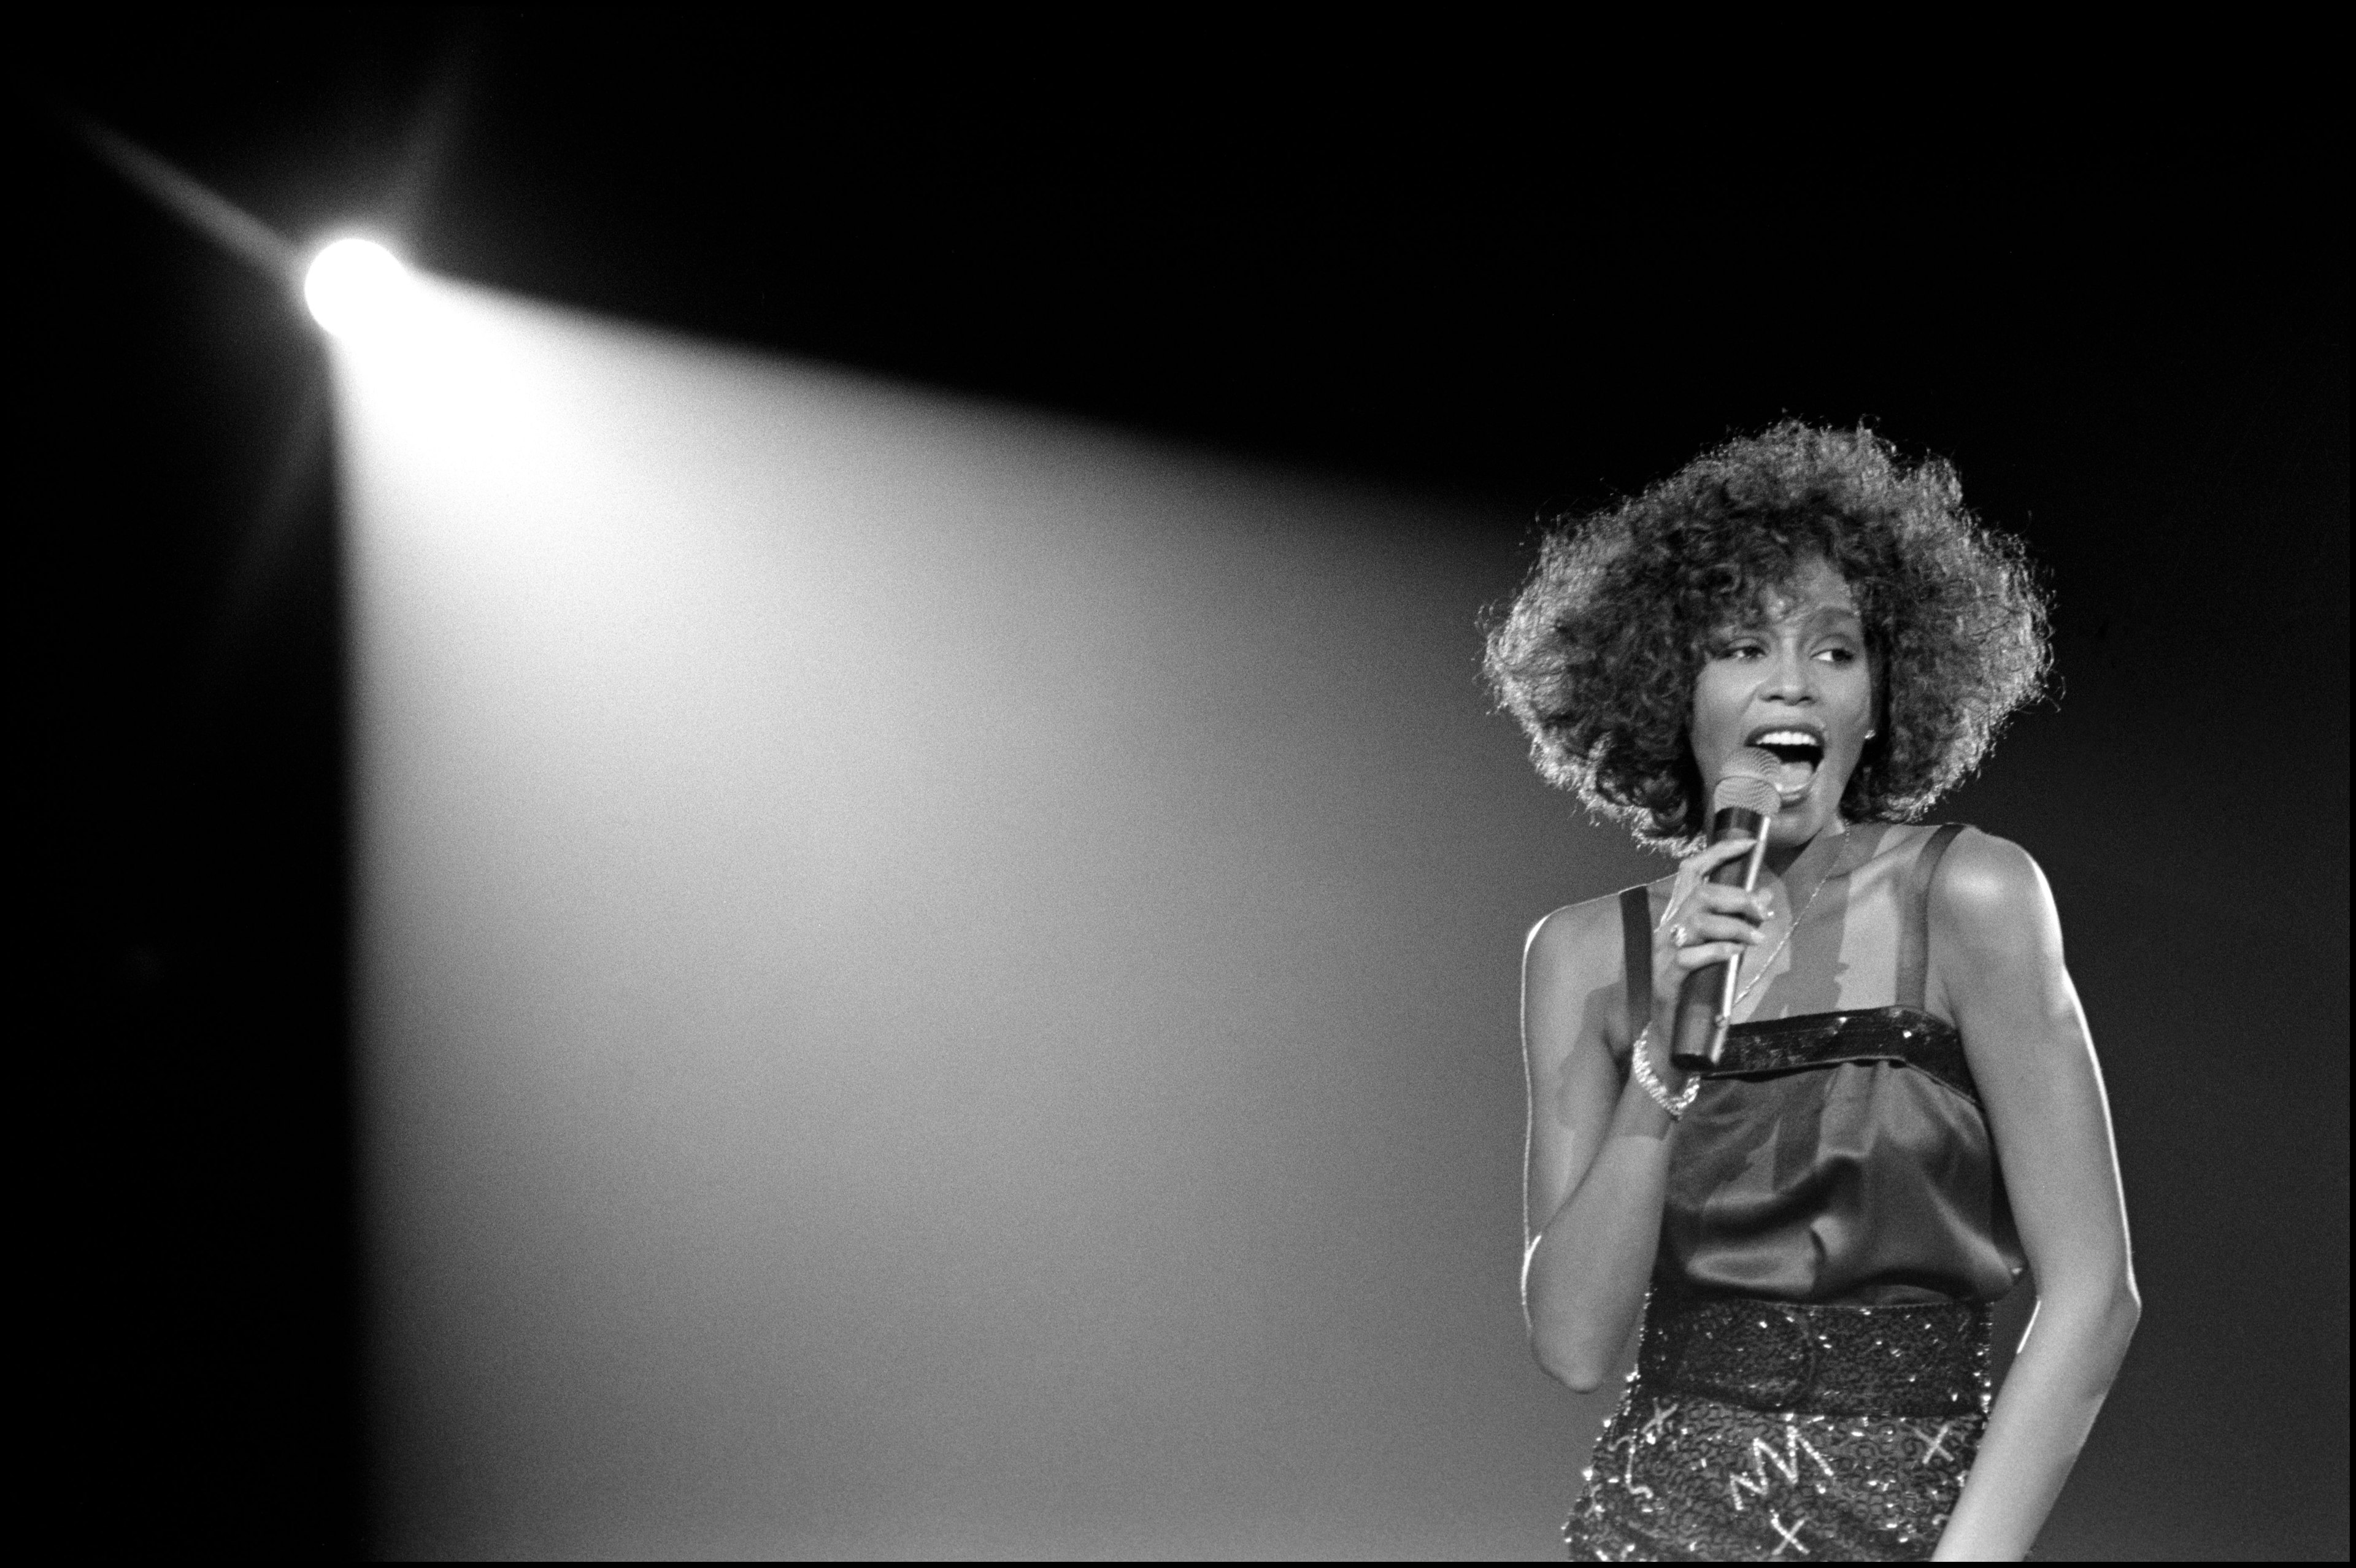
(936,983)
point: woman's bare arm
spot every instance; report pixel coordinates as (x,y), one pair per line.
(1996,946)
(1597,1152)
(1598,1145)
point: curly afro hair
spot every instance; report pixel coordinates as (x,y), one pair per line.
(1598,656)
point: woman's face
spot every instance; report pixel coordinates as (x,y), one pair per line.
(1792,679)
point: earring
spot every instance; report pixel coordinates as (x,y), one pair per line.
(1869,734)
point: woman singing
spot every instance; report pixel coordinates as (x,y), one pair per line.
(1906,1111)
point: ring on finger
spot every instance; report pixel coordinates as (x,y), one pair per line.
(1677,934)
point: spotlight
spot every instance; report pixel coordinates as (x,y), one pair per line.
(356,287)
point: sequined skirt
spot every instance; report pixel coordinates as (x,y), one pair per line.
(1758,1430)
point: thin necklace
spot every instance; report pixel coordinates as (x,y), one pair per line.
(1840,854)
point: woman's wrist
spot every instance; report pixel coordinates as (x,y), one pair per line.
(1666,1087)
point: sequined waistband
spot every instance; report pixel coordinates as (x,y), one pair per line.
(1927,1359)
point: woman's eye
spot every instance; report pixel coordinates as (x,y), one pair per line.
(1838,656)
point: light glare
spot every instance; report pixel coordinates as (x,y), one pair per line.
(356,287)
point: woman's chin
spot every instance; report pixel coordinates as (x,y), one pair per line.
(1802,818)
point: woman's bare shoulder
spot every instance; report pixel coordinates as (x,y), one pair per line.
(1577,942)
(1981,876)
(1570,975)
(1983,872)
(1991,894)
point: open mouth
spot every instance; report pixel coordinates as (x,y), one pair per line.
(1800,751)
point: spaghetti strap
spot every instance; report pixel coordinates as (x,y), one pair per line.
(1914,950)
(1636,939)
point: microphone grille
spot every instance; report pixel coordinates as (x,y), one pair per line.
(1749,782)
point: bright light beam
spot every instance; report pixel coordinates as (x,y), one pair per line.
(356,288)
(880,1032)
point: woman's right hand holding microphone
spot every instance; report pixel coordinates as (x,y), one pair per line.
(1707,922)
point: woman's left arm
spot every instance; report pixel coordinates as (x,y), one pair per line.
(1997,952)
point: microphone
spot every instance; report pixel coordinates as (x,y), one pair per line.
(1745,801)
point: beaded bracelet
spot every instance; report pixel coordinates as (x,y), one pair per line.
(1640,1062)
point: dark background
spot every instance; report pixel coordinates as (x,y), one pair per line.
(1525,272)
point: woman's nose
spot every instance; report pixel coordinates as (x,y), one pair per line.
(1790,679)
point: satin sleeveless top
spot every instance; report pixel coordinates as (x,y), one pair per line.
(1834,1158)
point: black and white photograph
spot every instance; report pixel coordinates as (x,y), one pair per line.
(818,785)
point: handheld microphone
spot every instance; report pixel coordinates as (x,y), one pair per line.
(1745,801)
